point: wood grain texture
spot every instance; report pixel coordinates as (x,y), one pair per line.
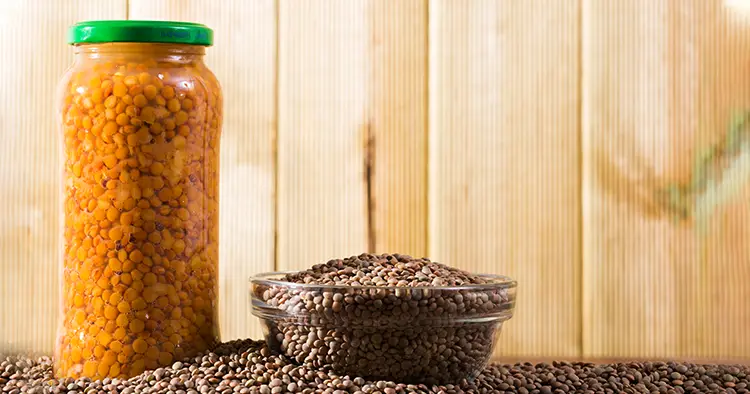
(724,92)
(581,147)
(32,40)
(244,60)
(626,113)
(664,274)
(397,95)
(504,158)
(352,129)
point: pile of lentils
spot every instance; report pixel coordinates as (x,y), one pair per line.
(249,367)
(404,326)
(385,270)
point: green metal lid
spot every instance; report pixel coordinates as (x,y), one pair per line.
(140,31)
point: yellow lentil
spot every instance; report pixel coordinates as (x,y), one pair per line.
(141,173)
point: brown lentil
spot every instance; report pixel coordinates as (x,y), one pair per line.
(249,367)
(141,208)
(402,326)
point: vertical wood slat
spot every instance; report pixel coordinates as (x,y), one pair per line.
(724,92)
(625,91)
(352,129)
(32,38)
(657,284)
(244,60)
(504,184)
(397,85)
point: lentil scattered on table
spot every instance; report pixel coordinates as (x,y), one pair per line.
(248,367)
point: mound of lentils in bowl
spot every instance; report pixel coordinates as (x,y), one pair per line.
(386,317)
(388,270)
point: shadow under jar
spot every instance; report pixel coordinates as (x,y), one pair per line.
(140,116)
(432,335)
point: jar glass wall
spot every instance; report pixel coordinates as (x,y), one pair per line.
(140,126)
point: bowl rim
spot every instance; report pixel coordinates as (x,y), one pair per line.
(498,282)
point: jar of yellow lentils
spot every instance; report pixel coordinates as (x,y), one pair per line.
(140,116)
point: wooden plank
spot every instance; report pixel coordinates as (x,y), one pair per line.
(504,158)
(724,92)
(628,283)
(244,60)
(351,148)
(33,39)
(398,130)
(322,202)
(665,267)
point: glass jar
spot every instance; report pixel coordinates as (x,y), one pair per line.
(140,116)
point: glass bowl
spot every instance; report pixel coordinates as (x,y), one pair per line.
(431,334)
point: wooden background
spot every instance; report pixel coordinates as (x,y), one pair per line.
(542,139)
